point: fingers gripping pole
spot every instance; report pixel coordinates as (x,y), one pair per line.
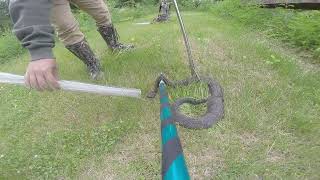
(173,163)
(77,86)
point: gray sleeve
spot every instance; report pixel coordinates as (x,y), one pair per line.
(31,19)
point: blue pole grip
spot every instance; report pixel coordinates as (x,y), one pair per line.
(173,162)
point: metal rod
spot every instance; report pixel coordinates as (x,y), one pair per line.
(77,86)
(186,41)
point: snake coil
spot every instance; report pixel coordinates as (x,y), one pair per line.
(215,102)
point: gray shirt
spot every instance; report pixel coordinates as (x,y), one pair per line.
(31,19)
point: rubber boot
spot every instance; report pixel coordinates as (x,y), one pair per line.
(111,37)
(83,51)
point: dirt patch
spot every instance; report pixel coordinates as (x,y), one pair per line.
(236,88)
(248,139)
(72,115)
(204,164)
(275,156)
(101,118)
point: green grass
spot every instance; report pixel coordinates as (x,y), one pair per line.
(270,128)
(298,28)
(9,47)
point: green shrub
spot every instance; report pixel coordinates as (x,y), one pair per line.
(185,4)
(125,14)
(9,47)
(131,3)
(196,4)
(4,16)
(4,10)
(296,27)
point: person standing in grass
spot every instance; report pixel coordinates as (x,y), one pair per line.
(32,21)
(164,12)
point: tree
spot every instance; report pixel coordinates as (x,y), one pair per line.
(4,14)
(4,10)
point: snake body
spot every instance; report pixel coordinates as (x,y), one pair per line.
(215,102)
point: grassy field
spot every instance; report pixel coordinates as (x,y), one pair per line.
(270,129)
(297,28)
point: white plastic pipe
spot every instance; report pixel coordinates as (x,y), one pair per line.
(143,23)
(77,86)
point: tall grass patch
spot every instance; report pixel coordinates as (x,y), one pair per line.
(9,47)
(298,28)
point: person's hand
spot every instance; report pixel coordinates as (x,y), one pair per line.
(42,75)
